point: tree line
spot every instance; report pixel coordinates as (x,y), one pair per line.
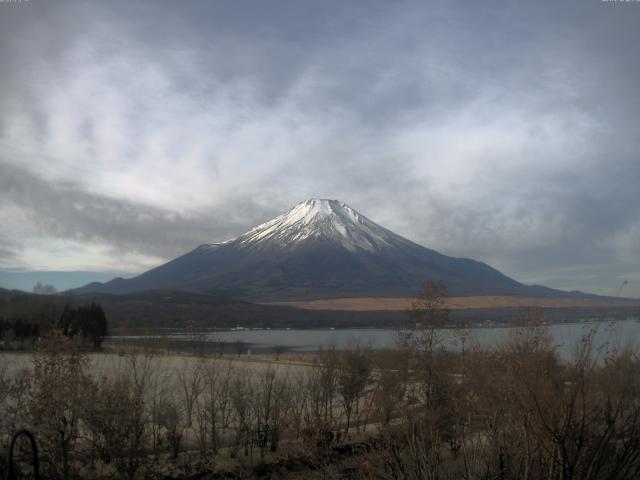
(23,323)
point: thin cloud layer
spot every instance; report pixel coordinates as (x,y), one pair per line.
(131,132)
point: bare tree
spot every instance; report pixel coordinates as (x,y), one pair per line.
(241,393)
(190,382)
(353,377)
(298,402)
(390,385)
(114,419)
(171,419)
(15,391)
(271,407)
(215,402)
(59,378)
(428,313)
(321,388)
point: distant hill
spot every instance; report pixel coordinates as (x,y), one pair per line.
(5,293)
(180,309)
(163,308)
(320,249)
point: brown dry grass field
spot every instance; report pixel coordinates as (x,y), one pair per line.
(365,304)
(111,363)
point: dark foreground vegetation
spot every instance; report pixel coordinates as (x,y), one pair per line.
(25,319)
(513,412)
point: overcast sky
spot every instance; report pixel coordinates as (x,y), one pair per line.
(131,132)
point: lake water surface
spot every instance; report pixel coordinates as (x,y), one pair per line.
(566,337)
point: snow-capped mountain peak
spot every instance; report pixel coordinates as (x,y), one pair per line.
(321,219)
(319,249)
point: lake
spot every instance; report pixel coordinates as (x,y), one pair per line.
(566,337)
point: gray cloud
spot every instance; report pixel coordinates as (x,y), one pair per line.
(507,133)
(63,210)
(7,255)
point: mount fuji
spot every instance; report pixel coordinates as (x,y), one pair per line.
(320,249)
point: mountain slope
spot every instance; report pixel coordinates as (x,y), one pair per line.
(319,249)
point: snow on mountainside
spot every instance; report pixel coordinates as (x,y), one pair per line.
(322,219)
(319,249)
